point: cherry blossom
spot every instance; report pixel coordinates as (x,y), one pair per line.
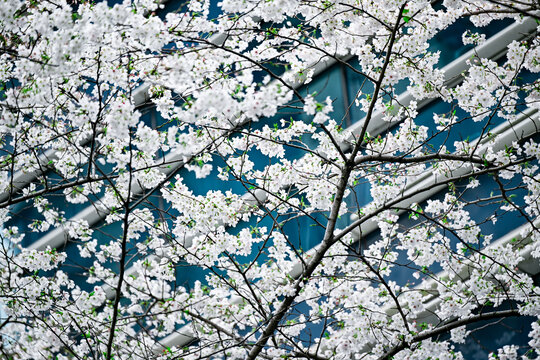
(276,179)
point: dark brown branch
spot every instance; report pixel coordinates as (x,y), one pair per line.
(446,328)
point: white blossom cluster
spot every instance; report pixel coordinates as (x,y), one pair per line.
(177,186)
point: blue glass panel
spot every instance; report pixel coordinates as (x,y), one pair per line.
(211,182)
(525,77)
(328,84)
(486,338)
(478,210)
(172,6)
(449,41)
(356,83)
(305,233)
(22,215)
(187,275)
(360,194)
(464,129)
(490,335)
(181,6)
